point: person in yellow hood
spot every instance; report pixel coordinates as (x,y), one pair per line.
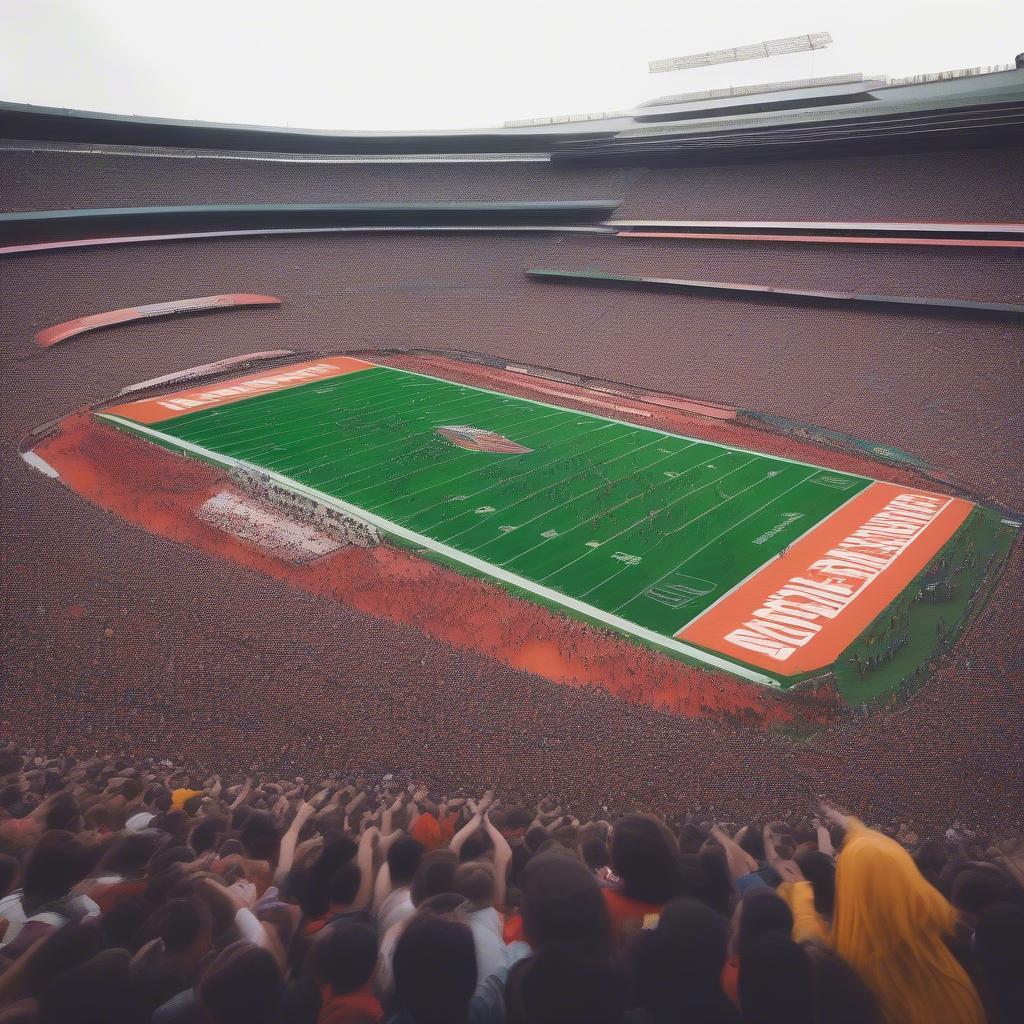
(892,927)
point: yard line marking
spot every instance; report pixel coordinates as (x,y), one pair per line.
(371,411)
(368,414)
(703,547)
(576,497)
(316,414)
(688,523)
(686,494)
(526,472)
(397,439)
(557,483)
(750,575)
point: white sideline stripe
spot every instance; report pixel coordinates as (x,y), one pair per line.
(624,625)
(38,462)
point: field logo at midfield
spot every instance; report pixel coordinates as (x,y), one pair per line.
(475,440)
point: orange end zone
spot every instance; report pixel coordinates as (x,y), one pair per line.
(165,407)
(805,607)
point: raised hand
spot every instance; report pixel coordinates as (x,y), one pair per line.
(787,870)
(833,814)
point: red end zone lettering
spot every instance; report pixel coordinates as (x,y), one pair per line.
(165,407)
(801,611)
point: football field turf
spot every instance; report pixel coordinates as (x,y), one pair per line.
(626,525)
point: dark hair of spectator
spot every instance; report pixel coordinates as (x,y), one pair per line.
(762,911)
(775,982)
(475,882)
(344,884)
(181,922)
(242,986)
(679,965)
(344,956)
(562,906)
(820,870)
(594,853)
(999,948)
(435,970)
(557,987)
(433,875)
(644,858)
(404,856)
(56,863)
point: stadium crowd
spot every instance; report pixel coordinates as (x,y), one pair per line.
(139,892)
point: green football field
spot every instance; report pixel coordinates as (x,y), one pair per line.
(628,526)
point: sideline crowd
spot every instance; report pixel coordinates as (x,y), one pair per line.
(137,892)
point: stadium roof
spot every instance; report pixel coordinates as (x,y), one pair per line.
(787,119)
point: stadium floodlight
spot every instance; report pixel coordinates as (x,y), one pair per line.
(753,51)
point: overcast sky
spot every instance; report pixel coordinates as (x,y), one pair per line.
(411,64)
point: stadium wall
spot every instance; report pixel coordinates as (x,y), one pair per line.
(968,185)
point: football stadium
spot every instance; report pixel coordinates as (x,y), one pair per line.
(564,567)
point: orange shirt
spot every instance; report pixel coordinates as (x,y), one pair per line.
(627,914)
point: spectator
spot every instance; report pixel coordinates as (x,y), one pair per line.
(760,912)
(242,986)
(892,927)
(775,982)
(474,882)
(679,966)
(563,907)
(343,960)
(645,859)
(435,971)
(45,900)
(557,987)
(403,858)
(999,946)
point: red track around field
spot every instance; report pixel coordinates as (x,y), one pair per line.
(161,493)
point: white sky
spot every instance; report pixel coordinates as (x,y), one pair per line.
(416,64)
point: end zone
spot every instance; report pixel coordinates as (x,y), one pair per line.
(804,608)
(165,407)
